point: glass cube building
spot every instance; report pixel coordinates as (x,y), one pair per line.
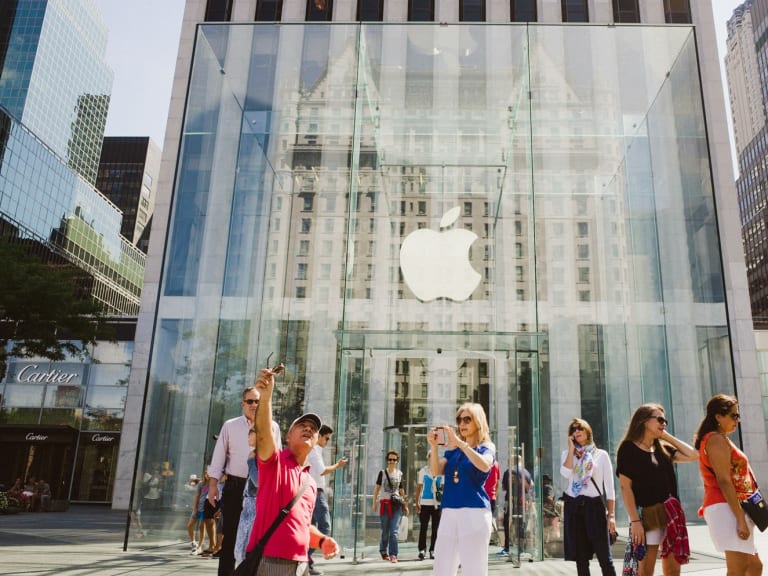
(415,215)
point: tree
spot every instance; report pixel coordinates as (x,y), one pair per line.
(45,307)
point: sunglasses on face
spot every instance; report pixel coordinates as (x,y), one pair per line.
(250,401)
(661,420)
(391,459)
(576,428)
(735,416)
(463,419)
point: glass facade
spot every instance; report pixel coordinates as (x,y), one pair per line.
(411,216)
(55,80)
(43,199)
(61,421)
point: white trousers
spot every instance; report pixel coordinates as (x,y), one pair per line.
(463,539)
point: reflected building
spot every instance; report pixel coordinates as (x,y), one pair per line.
(410,215)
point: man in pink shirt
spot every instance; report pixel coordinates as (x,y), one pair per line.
(281,474)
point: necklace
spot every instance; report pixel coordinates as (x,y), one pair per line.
(456,476)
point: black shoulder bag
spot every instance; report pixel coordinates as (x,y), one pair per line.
(396,499)
(250,564)
(755,507)
(612,536)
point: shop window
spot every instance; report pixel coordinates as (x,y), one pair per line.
(626,11)
(574,10)
(421,10)
(677,11)
(471,10)
(370,10)
(523,11)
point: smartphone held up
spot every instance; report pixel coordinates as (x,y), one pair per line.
(441,436)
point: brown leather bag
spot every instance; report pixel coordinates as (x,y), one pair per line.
(654,517)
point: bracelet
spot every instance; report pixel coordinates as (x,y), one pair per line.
(320,543)
(611,515)
(633,521)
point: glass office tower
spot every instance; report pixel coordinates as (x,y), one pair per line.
(411,216)
(54,78)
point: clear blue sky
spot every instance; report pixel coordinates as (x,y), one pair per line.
(142,48)
(143,42)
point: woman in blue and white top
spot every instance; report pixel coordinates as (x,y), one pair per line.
(465,523)
(588,520)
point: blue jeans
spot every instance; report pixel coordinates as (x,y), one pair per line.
(389,528)
(321,517)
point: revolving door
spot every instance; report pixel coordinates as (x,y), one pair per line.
(394,387)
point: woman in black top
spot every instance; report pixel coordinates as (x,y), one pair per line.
(647,480)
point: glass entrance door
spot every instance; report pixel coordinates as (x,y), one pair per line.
(393,388)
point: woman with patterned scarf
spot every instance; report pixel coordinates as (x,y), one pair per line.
(588,518)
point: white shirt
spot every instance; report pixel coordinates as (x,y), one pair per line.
(230,455)
(317,466)
(602,472)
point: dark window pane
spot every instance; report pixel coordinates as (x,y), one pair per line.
(218,11)
(319,10)
(269,11)
(575,11)
(626,11)
(677,11)
(523,11)
(421,11)
(370,10)
(472,11)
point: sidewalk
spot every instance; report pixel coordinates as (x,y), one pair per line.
(88,540)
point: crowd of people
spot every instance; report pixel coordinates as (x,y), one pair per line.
(34,495)
(270,502)
(645,463)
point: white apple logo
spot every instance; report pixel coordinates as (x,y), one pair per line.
(436,264)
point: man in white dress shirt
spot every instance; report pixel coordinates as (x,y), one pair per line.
(230,457)
(321,517)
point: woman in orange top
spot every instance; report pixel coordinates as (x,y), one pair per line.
(727,481)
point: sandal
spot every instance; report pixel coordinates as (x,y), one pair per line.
(384,556)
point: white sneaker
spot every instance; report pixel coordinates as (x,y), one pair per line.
(198,551)
(194,544)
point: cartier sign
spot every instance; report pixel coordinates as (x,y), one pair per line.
(102,438)
(32,373)
(36,437)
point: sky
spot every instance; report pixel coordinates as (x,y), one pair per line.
(142,48)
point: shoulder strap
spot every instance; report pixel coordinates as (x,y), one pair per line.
(603,497)
(283,513)
(391,488)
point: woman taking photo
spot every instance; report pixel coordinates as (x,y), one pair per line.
(727,481)
(649,488)
(589,473)
(387,484)
(465,522)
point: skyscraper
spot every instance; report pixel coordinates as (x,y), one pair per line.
(54,78)
(128,172)
(527,205)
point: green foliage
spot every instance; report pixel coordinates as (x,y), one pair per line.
(45,309)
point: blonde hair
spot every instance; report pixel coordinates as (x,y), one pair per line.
(478,415)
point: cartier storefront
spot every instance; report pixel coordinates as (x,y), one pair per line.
(61,421)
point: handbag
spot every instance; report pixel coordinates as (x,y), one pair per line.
(250,563)
(630,560)
(755,506)
(396,499)
(612,536)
